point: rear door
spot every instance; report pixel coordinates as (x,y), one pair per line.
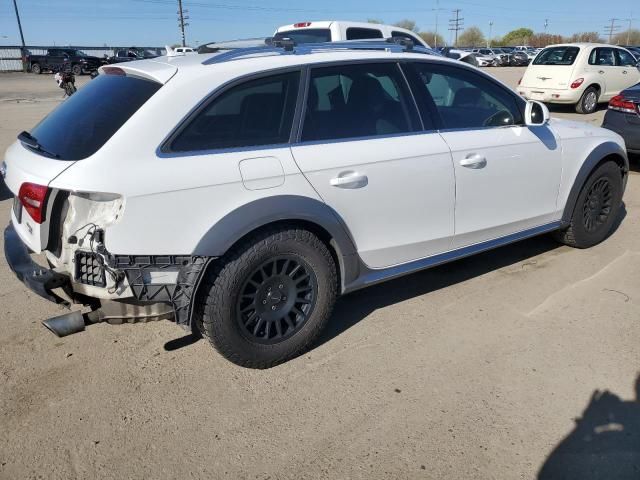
(602,62)
(363,149)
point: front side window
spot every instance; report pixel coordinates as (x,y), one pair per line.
(625,59)
(363,33)
(407,36)
(462,98)
(603,57)
(557,56)
(350,101)
(258,112)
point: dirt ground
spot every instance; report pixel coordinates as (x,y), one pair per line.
(489,367)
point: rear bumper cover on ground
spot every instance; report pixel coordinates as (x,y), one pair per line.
(36,278)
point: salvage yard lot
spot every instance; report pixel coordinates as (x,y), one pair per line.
(476,369)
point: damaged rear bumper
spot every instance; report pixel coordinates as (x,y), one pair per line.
(36,278)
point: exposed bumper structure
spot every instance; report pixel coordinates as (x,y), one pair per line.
(39,280)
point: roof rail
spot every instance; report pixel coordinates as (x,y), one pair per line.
(285,46)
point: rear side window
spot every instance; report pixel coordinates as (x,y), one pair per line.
(258,112)
(604,57)
(350,101)
(307,35)
(462,98)
(354,33)
(557,56)
(625,59)
(415,41)
(83,123)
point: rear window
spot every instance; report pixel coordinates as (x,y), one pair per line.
(354,33)
(308,35)
(557,56)
(84,122)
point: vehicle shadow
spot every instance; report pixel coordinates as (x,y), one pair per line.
(5,194)
(634,163)
(605,442)
(353,308)
(560,108)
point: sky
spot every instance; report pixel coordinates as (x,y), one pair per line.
(154,22)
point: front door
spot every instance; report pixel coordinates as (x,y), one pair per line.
(364,151)
(507,174)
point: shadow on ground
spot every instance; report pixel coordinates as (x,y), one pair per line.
(560,108)
(604,444)
(5,194)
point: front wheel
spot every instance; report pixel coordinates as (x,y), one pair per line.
(35,68)
(268,299)
(596,209)
(76,70)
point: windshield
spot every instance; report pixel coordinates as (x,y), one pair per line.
(84,122)
(308,35)
(557,56)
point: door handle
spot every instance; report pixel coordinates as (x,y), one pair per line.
(474,161)
(601,72)
(624,72)
(349,179)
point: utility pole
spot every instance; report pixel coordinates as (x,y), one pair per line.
(435,35)
(611,29)
(490,33)
(455,24)
(24,48)
(630,20)
(182,17)
(546,24)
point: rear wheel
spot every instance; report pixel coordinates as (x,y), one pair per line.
(76,70)
(35,68)
(596,208)
(588,102)
(268,300)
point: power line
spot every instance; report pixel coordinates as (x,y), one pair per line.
(630,20)
(455,24)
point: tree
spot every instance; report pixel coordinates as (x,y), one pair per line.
(629,37)
(407,24)
(591,37)
(544,39)
(472,37)
(433,39)
(519,36)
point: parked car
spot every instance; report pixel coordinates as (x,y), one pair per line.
(334,31)
(518,59)
(75,60)
(623,117)
(635,51)
(466,57)
(531,52)
(240,192)
(131,54)
(486,57)
(580,74)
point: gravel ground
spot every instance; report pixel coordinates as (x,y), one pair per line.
(490,367)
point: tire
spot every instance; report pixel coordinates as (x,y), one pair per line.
(76,70)
(246,305)
(35,68)
(588,101)
(596,208)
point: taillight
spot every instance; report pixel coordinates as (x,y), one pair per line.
(577,82)
(33,198)
(302,25)
(114,71)
(621,104)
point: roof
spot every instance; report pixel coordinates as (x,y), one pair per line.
(163,68)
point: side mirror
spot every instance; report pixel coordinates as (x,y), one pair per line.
(536,114)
